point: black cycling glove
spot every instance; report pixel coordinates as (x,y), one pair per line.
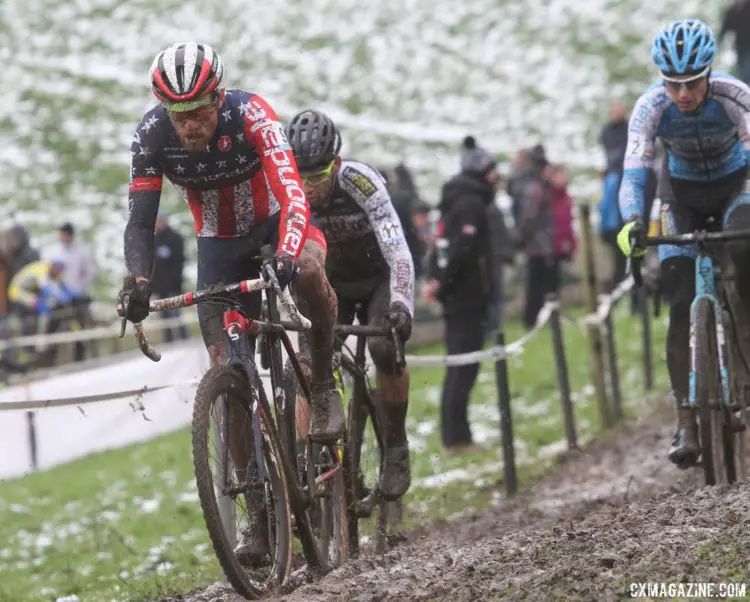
(133,300)
(286,268)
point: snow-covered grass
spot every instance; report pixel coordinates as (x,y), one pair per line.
(404,79)
(126,524)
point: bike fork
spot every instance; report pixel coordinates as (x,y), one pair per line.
(239,353)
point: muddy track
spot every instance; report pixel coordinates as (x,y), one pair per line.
(613,514)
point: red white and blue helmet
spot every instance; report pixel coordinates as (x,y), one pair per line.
(185,73)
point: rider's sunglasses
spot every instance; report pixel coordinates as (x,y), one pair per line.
(691,83)
(201,114)
(314,178)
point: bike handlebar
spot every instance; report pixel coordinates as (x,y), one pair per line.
(268,280)
(207,294)
(377,331)
(681,240)
(364,330)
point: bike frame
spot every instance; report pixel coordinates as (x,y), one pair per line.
(238,327)
(706,271)
(362,405)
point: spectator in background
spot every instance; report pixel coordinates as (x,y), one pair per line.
(37,290)
(20,250)
(404,184)
(519,171)
(403,191)
(614,140)
(169,263)
(503,253)
(523,171)
(80,265)
(537,236)
(80,270)
(562,218)
(15,253)
(737,21)
(420,232)
(463,282)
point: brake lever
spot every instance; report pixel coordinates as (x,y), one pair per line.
(269,274)
(124,322)
(399,346)
(635,270)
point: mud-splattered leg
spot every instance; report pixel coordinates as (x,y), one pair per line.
(317,300)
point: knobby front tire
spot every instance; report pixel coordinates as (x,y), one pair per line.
(232,382)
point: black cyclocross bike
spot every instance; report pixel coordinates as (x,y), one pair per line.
(363,447)
(273,473)
(717,390)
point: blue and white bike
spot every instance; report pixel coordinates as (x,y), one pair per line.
(718,369)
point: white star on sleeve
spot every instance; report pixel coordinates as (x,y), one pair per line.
(149,123)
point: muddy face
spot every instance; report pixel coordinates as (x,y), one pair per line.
(688,95)
(196,128)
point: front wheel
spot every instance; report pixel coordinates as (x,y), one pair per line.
(708,391)
(260,484)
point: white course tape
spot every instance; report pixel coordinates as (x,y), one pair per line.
(495,353)
(40,404)
(90,334)
(606,303)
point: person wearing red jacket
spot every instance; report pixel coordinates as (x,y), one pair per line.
(561,207)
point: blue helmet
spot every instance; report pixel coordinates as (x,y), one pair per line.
(684,47)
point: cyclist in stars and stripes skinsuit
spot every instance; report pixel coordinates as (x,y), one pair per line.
(226,153)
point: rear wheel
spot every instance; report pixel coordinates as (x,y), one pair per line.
(319,473)
(739,369)
(730,443)
(363,463)
(325,479)
(228,385)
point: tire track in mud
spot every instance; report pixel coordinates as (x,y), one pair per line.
(617,512)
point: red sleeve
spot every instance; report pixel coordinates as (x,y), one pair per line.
(265,133)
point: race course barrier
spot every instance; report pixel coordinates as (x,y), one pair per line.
(67,416)
(55,420)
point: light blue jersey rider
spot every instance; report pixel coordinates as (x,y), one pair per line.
(703,146)
(703,120)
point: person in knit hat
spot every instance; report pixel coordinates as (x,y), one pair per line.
(476,160)
(462,281)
